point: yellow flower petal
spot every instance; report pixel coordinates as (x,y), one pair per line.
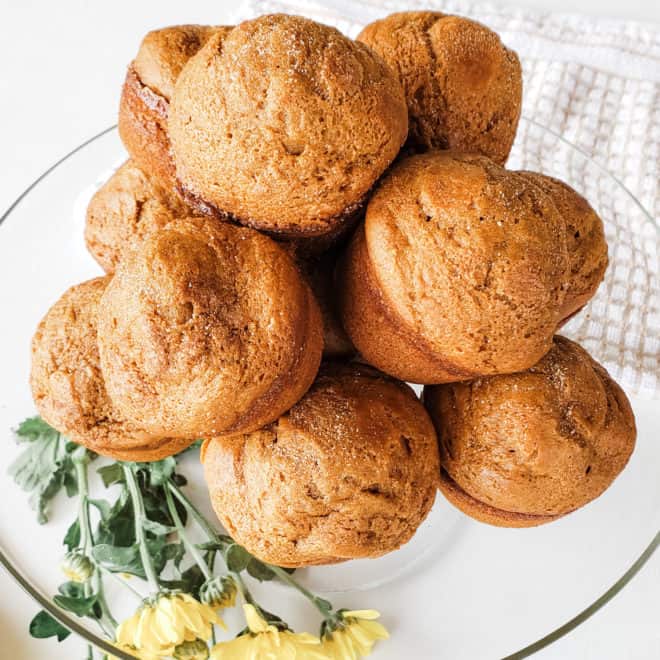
(361,614)
(269,644)
(125,633)
(357,637)
(157,629)
(375,629)
(144,638)
(255,623)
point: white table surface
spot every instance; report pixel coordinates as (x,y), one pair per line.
(61,69)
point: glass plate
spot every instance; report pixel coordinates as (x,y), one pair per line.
(525,588)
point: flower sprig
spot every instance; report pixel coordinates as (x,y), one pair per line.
(145,532)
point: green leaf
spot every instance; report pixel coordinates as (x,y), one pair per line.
(119,527)
(34,428)
(119,560)
(80,606)
(161,471)
(103,507)
(259,570)
(72,538)
(237,558)
(111,474)
(179,479)
(213,546)
(44,466)
(72,589)
(70,484)
(43,625)
(157,528)
(190,581)
(324,603)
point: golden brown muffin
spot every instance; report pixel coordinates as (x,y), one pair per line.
(585,234)
(522,449)
(463,86)
(285,124)
(126,209)
(68,386)
(319,272)
(207,328)
(147,91)
(350,471)
(459,271)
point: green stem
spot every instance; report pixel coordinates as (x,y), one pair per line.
(83,504)
(196,513)
(321,605)
(191,547)
(210,560)
(244,591)
(140,515)
(242,587)
(108,622)
(123,583)
(213,536)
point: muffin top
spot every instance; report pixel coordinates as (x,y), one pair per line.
(128,207)
(200,328)
(463,86)
(350,471)
(542,442)
(285,124)
(471,257)
(585,236)
(67,383)
(163,53)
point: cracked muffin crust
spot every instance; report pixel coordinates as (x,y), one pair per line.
(207,328)
(315,117)
(585,236)
(147,91)
(460,270)
(350,471)
(68,386)
(463,86)
(127,208)
(522,449)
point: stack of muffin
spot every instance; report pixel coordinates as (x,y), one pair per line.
(293,195)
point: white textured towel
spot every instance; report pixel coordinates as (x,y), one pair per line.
(596,83)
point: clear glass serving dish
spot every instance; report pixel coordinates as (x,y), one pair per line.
(525,588)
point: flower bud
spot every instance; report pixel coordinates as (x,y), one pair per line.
(77,566)
(219,592)
(195,650)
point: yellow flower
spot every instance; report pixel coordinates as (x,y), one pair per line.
(157,628)
(197,650)
(219,592)
(263,641)
(356,637)
(77,567)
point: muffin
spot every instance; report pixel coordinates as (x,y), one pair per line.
(68,386)
(523,449)
(127,208)
(463,86)
(459,271)
(319,272)
(207,328)
(285,125)
(585,236)
(350,471)
(147,91)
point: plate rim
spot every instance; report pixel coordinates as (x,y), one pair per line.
(70,623)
